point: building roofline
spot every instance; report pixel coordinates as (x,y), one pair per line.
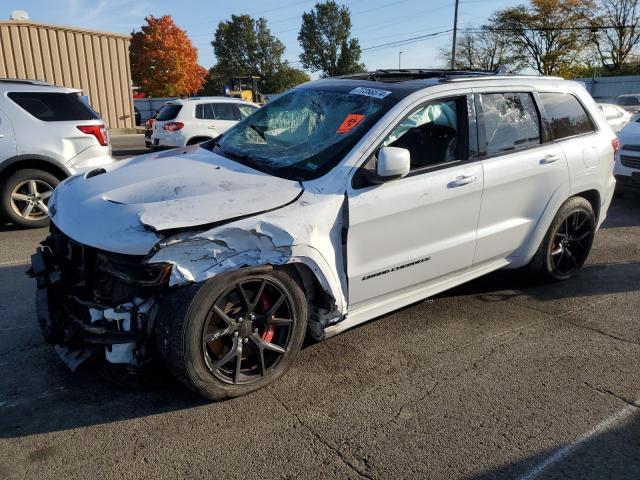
(66,28)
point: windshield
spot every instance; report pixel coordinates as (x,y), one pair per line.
(304,133)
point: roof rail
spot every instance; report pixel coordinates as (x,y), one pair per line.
(26,81)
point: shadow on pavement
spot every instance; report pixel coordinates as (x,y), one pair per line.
(613,453)
(624,211)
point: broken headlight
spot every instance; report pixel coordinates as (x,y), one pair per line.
(145,274)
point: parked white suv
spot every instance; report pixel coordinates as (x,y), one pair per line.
(339,201)
(194,120)
(617,117)
(627,170)
(47,133)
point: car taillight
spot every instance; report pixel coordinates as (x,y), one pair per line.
(615,143)
(98,131)
(172,126)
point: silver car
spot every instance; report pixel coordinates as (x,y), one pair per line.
(47,134)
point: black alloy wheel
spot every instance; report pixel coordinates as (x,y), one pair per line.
(247,331)
(572,243)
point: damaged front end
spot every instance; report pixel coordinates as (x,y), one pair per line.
(93,302)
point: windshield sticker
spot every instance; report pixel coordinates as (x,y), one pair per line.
(370,92)
(350,121)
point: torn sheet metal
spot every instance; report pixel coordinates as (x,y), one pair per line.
(120,211)
(309,231)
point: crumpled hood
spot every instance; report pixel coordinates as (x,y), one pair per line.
(121,210)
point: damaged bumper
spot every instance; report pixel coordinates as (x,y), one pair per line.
(88,303)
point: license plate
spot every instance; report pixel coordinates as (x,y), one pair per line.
(156,142)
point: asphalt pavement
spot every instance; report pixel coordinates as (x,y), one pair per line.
(502,378)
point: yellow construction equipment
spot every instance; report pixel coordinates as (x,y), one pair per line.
(246,88)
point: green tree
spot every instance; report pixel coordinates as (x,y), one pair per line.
(245,46)
(325,38)
(541,33)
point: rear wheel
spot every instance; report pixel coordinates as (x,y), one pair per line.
(568,241)
(234,334)
(25,195)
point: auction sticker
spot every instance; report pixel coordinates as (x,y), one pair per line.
(370,92)
(350,121)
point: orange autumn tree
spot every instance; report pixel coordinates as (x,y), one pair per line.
(164,62)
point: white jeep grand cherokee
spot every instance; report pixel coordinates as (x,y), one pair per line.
(338,202)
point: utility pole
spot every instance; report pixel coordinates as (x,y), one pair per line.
(399,57)
(455,31)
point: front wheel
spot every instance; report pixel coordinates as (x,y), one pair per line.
(233,334)
(568,241)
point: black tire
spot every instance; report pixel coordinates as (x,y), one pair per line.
(544,264)
(12,208)
(182,321)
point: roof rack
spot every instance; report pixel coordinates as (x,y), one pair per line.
(401,75)
(25,81)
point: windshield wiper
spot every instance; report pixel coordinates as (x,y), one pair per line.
(259,130)
(243,159)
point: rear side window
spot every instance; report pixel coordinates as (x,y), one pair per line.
(511,121)
(204,111)
(224,111)
(566,115)
(169,112)
(53,106)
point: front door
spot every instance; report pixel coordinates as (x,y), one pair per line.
(412,230)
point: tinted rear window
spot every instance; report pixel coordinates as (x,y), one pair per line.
(629,101)
(566,115)
(169,112)
(53,106)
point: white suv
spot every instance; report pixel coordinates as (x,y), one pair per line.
(198,119)
(339,201)
(47,133)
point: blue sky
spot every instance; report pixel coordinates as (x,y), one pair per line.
(375,22)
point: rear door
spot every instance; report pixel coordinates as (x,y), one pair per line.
(7,138)
(523,170)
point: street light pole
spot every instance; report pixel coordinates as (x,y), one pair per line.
(399,57)
(455,31)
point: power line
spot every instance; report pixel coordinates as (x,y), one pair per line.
(405,41)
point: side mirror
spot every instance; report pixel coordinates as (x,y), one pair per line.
(393,162)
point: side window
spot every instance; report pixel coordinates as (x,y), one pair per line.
(566,115)
(246,110)
(224,111)
(511,121)
(434,133)
(200,111)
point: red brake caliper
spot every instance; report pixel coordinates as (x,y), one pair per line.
(269,330)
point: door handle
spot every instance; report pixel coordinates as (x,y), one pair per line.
(461,181)
(212,127)
(550,158)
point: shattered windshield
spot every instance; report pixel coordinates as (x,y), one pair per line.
(302,134)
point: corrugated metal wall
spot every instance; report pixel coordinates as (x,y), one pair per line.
(96,62)
(608,88)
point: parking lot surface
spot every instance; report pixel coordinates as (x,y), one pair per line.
(501,378)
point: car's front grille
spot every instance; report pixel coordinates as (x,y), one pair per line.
(631,162)
(631,148)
